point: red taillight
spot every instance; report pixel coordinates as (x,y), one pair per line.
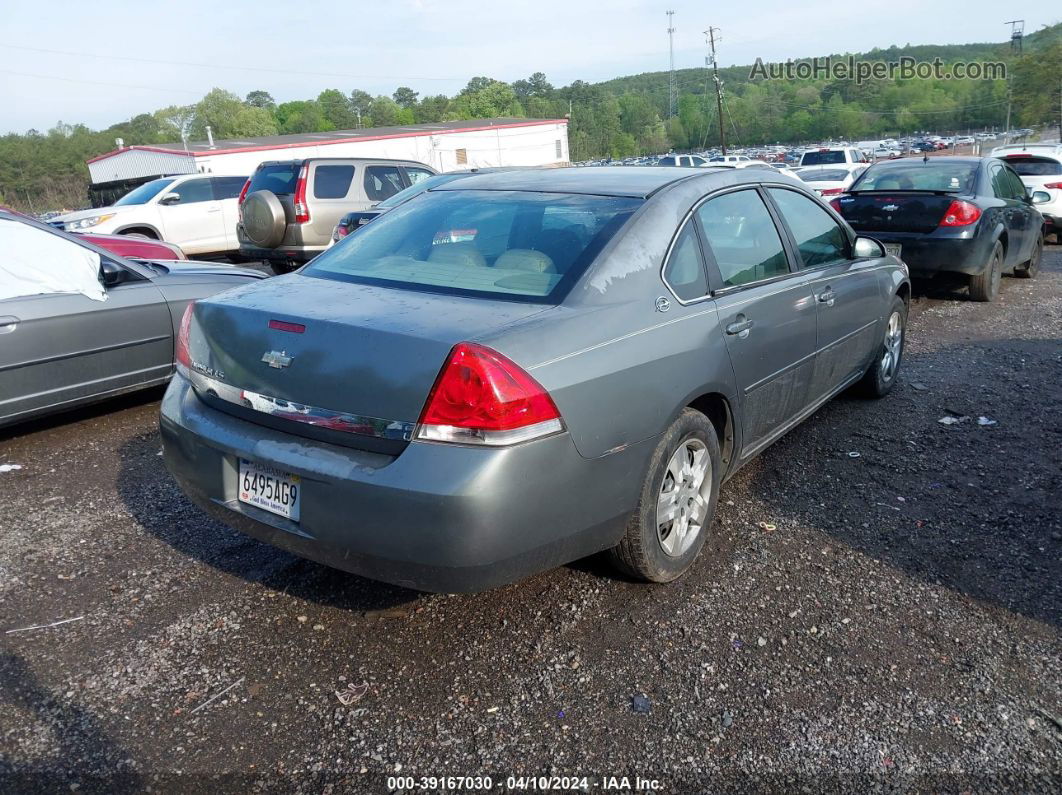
(302,210)
(283,325)
(1055,185)
(960,213)
(181,354)
(836,204)
(481,397)
(342,231)
(243,192)
(832,191)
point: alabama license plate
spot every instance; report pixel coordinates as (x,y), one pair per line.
(894,249)
(270,489)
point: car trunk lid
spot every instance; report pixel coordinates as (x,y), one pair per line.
(895,211)
(349,358)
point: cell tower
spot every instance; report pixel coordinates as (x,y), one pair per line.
(1017,32)
(671,64)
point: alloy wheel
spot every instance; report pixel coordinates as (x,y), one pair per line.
(890,357)
(684,497)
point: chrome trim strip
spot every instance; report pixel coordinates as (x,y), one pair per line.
(300,412)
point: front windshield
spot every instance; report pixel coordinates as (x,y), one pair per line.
(418,188)
(145,193)
(918,175)
(496,244)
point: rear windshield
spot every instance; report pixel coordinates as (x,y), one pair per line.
(145,193)
(279,178)
(828,175)
(821,158)
(1029,166)
(496,244)
(918,175)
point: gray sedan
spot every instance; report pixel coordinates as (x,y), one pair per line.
(516,370)
(61,348)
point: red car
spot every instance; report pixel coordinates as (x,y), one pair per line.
(125,245)
(134,247)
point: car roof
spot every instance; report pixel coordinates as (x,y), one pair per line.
(947,159)
(629,181)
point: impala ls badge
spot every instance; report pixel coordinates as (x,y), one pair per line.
(277,359)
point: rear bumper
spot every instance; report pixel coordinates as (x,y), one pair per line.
(929,254)
(283,253)
(437,517)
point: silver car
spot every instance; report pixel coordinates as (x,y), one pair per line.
(516,370)
(61,348)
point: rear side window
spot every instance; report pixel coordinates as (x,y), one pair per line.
(382,182)
(819,238)
(742,238)
(685,271)
(418,175)
(228,187)
(332,182)
(1035,166)
(1017,187)
(500,244)
(666,161)
(279,178)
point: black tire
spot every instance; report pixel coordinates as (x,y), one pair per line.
(1029,268)
(280,268)
(139,235)
(879,380)
(641,552)
(985,286)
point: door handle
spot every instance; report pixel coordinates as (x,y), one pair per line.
(8,323)
(740,327)
(827,297)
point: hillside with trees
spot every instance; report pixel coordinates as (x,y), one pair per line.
(620,117)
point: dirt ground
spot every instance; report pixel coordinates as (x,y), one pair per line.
(896,627)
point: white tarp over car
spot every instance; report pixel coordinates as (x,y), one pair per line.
(35,262)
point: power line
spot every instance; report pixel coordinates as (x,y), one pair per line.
(215,66)
(97,82)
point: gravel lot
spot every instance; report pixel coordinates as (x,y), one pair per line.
(897,629)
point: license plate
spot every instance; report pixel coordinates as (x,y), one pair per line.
(894,249)
(270,489)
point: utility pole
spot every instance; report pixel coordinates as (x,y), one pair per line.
(718,87)
(671,64)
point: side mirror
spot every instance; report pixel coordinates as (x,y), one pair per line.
(112,273)
(868,248)
(170,198)
(1040,197)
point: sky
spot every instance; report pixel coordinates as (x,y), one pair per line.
(102,62)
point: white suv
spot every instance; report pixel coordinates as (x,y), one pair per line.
(1040,169)
(833,156)
(196,212)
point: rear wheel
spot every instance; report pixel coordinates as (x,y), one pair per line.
(1029,268)
(985,286)
(677,503)
(879,378)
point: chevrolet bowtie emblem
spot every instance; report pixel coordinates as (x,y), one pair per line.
(277,359)
(889,208)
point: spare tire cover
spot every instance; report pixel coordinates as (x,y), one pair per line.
(263,219)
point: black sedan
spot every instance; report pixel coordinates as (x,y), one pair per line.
(965,215)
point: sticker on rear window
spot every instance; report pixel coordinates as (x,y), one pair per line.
(454,235)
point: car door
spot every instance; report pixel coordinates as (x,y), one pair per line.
(1031,220)
(227,193)
(382,181)
(847,292)
(62,348)
(1012,213)
(191,216)
(766,311)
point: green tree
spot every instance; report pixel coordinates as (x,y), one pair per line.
(260,99)
(302,117)
(431,109)
(335,106)
(175,122)
(405,97)
(360,103)
(383,112)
